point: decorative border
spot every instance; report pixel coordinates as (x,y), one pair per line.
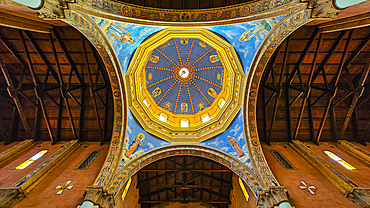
(98,39)
(239,168)
(87,156)
(187,18)
(286,160)
(44,164)
(286,26)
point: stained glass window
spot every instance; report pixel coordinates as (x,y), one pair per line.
(244,189)
(282,160)
(126,189)
(31,160)
(88,160)
(339,160)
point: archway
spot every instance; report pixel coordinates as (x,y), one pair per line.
(236,166)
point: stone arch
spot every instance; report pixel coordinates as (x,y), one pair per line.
(95,35)
(276,36)
(235,165)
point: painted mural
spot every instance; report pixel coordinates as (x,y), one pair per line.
(246,39)
(232,141)
(125,37)
(137,141)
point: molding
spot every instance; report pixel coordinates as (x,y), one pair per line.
(338,179)
(14,152)
(99,196)
(357,152)
(18,22)
(358,21)
(272,197)
(360,196)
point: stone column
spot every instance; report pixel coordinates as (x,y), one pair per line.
(98,196)
(274,196)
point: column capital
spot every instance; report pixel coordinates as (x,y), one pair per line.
(322,8)
(99,196)
(273,196)
(360,196)
(54,9)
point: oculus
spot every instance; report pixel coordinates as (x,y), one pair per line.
(182,83)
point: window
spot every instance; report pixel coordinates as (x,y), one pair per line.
(282,160)
(124,193)
(31,160)
(339,160)
(244,189)
(88,160)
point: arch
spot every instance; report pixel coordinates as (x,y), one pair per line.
(232,14)
(239,168)
(93,33)
(283,29)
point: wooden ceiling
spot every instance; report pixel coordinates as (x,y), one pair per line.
(53,87)
(185,179)
(184,4)
(316,88)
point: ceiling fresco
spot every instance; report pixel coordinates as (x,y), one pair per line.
(125,38)
(192,65)
(185,85)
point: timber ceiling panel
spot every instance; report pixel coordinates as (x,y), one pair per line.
(56,88)
(330,81)
(185,179)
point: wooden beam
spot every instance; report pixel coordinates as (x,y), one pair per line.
(14,21)
(358,21)
(14,94)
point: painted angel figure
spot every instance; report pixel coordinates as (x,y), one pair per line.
(120,34)
(265,25)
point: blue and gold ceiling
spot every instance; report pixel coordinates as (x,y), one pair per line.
(184,76)
(185,84)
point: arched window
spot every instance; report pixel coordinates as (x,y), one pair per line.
(339,160)
(246,195)
(282,160)
(31,160)
(124,193)
(88,160)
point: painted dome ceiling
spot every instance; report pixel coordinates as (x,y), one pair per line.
(184,76)
(184,84)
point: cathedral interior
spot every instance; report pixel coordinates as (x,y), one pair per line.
(184,103)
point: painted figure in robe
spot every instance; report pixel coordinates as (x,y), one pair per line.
(235,146)
(135,144)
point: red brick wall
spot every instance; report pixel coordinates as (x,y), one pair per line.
(327,194)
